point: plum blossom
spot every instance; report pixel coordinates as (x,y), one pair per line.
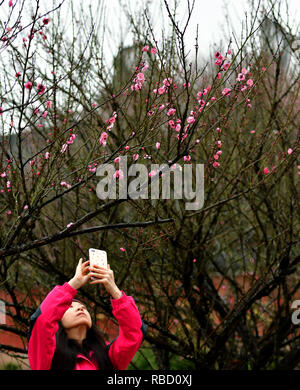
(241,77)
(28,85)
(152,173)
(111,121)
(190,120)
(103,138)
(118,174)
(226,91)
(41,89)
(171,111)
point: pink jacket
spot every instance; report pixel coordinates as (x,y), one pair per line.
(44,325)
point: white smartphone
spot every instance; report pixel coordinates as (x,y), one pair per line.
(98,257)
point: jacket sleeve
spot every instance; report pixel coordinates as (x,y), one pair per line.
(44,325)
(131,332)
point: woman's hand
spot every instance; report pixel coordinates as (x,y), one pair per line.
(105,276)
(81,276)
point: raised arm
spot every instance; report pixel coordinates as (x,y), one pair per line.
(44,322)
(131,327)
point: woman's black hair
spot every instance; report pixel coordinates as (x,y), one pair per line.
(64,357)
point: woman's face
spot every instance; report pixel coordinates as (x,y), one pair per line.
(77,314)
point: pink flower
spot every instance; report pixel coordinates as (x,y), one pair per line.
(167,82)
(71,139)
(122,249)
(41,89)
(70,224)
(145,67)
(145,48)
(117,160)
(46,20)
(178,127)
(3,174)
(244,71)
(266,171)
(226,66)
(171,111)
(152,173)
(127,147)
(250,82)
(157,145)
(290,151)
(218,62)
(216,164)
(118,174)
(190,120)
(135,157)
(161,90)
(140,76)
(216,156)
(10,4)
(241,77)
(263,69)
(153,50)
(187,158)
(1,110)
(47,155)
(218,55)
(64,148)
(48,103)
(226,91)
(45,114)
(18,74)
(103,138)
(28,85)
(172,124)
(8,184)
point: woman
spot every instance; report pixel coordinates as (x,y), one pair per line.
(61,333)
